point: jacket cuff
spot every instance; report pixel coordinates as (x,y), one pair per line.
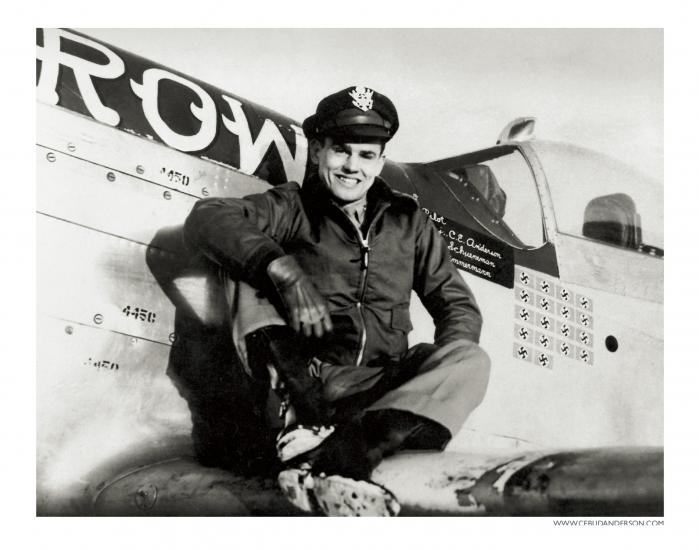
(256,266)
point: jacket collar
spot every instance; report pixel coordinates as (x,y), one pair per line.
(318,201)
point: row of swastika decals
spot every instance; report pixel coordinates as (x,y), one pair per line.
(550,320)
(533,345)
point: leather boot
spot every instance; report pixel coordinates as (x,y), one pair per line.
(389,430)
(287,352)
(358,446)
(343,453)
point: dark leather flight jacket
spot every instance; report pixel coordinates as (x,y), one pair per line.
(367,281)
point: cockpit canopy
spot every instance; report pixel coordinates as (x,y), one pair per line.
(593,196)
(597,197)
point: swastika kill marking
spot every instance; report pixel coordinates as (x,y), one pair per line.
(524,296)
(564,348)
(584,355)
(522,352)
(524,314)
(584,302)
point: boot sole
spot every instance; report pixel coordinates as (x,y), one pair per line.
(337,495)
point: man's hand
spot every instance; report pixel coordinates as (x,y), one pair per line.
(304,305)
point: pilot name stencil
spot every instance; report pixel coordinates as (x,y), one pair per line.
(550,321)
(473,252)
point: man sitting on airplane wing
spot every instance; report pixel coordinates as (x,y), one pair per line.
(338,259)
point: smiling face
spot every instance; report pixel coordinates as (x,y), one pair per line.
(347,169)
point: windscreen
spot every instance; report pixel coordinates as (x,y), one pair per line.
(497,188)
(600,198)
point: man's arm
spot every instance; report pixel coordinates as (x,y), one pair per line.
(242,235)
(442,290)
(245,235)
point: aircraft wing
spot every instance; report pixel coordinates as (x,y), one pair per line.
(590,482)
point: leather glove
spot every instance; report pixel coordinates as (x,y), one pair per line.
(305,307)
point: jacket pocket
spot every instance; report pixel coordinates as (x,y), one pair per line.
(400,319)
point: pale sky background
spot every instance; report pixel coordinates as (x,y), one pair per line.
(455,89)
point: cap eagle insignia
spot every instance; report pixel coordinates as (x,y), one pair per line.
(362,98)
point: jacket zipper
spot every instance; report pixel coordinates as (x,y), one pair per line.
(364,243)
(364,249)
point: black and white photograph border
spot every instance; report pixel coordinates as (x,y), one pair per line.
(581,105)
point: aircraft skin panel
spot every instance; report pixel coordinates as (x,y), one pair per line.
(612,269)
(103,280)
(615,398)
(98,392)
(96,197)
(67,132)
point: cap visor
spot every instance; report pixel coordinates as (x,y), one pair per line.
(362,132)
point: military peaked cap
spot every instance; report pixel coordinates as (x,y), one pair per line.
(357,112)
